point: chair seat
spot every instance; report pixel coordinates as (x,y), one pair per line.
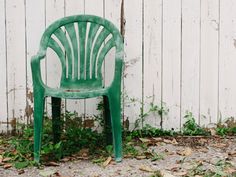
(75,93)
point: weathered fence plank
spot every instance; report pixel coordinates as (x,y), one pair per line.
(227,60)
(209,61)
(3,64)
(16,60)
(152,41)
(133,61)
(172,62)
(112,11)
(190,57)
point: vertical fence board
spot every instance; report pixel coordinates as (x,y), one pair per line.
(75,7)
(35,25)
(3,64)
(190,57)
(133,60)
(227,89)
(209,61)
(54,11)
(152,59)
(93,8)
(171,62)
(112,13)
(16,59)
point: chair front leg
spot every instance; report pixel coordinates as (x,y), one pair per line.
(56,121)
(115,109)
(39,102)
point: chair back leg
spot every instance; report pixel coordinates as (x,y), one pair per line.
(107,121)
(56,121)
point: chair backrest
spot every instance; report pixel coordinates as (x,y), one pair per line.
(81,43)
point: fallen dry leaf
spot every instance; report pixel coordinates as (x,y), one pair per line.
(21,172)
(167,141)
(146,168)
(57,174)
(107,161)
(148,154)
(181,173)
(186,152)
(174,142)
(232,153)
(52,164)
(127,156)
(174,167)
(6,159)
(65,159)
(166,174)
(15,152)
(140,157)
(7,165)
(83,152)
(2,151)
(219,145)
(81,158)
(96,175)
(230,170)
(157,139)
(145,140)
(203,150)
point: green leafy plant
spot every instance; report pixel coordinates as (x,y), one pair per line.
(191,128)
(156,110)
(228,127)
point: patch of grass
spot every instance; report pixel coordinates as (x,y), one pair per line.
(149,131)
(74,138)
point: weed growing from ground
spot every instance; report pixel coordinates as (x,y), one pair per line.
(191,128)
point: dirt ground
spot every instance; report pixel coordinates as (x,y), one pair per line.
(180,156)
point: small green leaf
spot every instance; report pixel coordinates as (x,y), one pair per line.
(58,145)
(20,165)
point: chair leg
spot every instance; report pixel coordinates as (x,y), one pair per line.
(56,122)
(39,102)
(115,109)
(107,121)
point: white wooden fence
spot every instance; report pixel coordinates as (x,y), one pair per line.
(178,53)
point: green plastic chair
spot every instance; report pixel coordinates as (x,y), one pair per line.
(86,48)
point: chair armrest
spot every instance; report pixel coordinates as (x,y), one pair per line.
(118,73)
(35,68)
